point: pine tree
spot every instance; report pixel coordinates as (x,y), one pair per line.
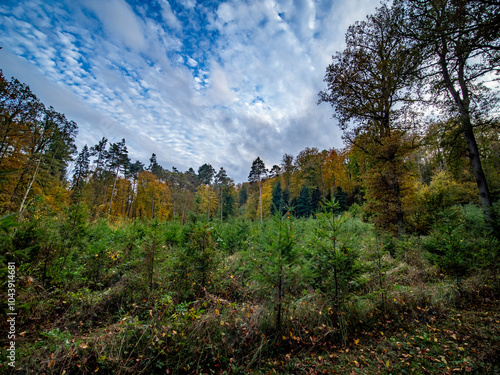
(154,167)
(341,199)
(304,206)
(316,198)
(258,169)
(277,202)
(82,169)
(117,159)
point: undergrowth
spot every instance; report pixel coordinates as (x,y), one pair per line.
(321,295)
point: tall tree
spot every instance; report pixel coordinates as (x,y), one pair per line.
(19,109)
(258,169)
(206,174)
(82,169)
(275,171)
(117,160)
(62,144)
(132,171)
(154,167)
(221,180)
(459,41)
(99,176)
(36,145)
(287,169)
(369,84)
(310,163)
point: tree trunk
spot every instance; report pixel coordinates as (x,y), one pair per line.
(260,199)
(184,209)
(208,202)
(30,185)
(463,104)
(113,189)
(221,203)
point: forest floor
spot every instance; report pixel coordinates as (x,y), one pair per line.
(465,340)
(462,339)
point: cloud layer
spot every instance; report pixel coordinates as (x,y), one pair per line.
(194,82)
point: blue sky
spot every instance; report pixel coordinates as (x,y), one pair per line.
(195,82)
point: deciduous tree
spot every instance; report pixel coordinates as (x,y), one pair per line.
(459,45)
(369,85)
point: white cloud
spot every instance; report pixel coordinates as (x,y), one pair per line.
(169,16)
(218,85)
(120,21)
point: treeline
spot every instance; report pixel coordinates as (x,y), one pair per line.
(404,178)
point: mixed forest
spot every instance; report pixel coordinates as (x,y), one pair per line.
(379,257)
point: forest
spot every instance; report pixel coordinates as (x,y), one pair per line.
(381,257)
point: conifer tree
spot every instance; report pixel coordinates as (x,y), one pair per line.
(304,206)
(82,169)
(277,201)
(258,169)
(117,160)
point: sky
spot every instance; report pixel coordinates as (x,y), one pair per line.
(193,81)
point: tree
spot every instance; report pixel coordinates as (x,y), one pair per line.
(206,174)
(221,180)
(190,183)
(243,195)
(341,198)
(369,86)
(82,169)
(278,270)
(117,159)
(98,178)
(277,202)
(36,145)
(133,170)
(287,169)
(304,204)
(459,42)
(62,144)
(154,167)
(316,199)
(258,169)
(152,197)
(310,163)
(275,171)
(19,108)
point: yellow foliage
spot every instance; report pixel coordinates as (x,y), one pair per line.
(253,201)
(152,198)
(202,198)
(121,197)
(335,173)
(56,195)
(267,196)
(443,191)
